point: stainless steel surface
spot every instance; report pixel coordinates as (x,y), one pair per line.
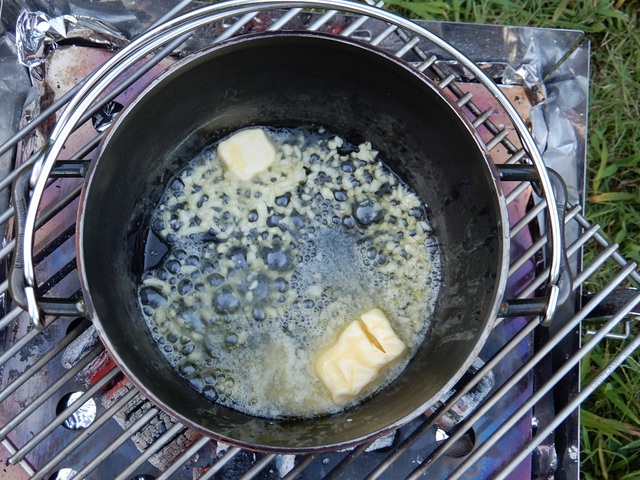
(501,46)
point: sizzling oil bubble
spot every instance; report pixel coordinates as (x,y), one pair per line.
(367,212)
(226,300)
(151,297)
(265,273)
(276,258)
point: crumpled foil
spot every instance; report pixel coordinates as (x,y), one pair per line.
(106,115)
(37,33)
(527,74)
(559,126)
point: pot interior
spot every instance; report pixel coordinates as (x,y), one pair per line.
(296,80)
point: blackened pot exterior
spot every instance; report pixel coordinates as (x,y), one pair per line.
(276,80)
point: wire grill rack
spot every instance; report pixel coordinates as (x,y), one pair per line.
(502,139)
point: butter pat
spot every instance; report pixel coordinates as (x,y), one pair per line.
(362,350)
(246,153)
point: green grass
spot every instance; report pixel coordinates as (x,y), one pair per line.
(610,430)
(611,420)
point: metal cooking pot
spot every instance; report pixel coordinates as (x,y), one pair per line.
(356,91)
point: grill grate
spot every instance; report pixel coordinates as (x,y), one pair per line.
(510,404)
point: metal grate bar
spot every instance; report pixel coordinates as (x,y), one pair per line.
(117,443)
(493,129)
(57,277)
(44,396)
(257,467)
(620,260)
(378,39)
(6,443)
(184,458)
(10,317)
(86,433)
(574,247)
(511,148)
(516,192)
(45,217)
(221,462)
(351,29)
(236,26)
(422,429)
(482,118)
(7,249)
(519,156)
(570,407)
(518,153)
(41,362)
(539,281)
(400,450)
(55,243)
(462,101)
(300,467)
(347,460)
(322,20)
(284,19)
(19,345)
(8,213)
(88,147)
(541,391)
(602,257)
(16,172)
(497,139)
(528,366)
(60,418)
(428,63)
(583,239)
(151,450)
(407,47)
(446,82)
(529,217)
(57,207)
(171,13)
(32,125)
(538,244)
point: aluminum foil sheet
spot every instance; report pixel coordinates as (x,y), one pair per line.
(37,33)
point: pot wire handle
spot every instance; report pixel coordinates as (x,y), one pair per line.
(565,279)
(23,295)
(558,293)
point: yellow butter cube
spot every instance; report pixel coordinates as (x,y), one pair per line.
(362,350)
(247,153)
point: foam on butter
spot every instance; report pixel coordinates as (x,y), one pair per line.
(355,360)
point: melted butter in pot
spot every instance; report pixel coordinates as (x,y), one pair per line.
(261,274)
